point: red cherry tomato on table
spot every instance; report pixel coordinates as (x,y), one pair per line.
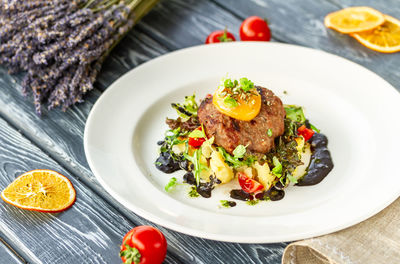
(305,132)
(143,245)
(248,184)
(220,36)
(196,142)
(255,28)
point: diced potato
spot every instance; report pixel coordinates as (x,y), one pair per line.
(265,177)
(206,148)
(205,174)
(247,170)
(221,170)
(305,158)
(300,144)
(179,148)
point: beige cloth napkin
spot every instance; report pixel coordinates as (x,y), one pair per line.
(374,241)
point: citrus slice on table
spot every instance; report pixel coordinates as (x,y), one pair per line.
(384,38)
(40,190)
(354,19)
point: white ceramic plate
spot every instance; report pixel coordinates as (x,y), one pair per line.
(354,107)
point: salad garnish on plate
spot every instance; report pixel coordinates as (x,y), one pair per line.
(242,133)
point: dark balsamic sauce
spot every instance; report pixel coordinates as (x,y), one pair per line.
(273,194)
(321,161)
(204,188)
(231,204)
(320,165)
(239,194)
(166,163)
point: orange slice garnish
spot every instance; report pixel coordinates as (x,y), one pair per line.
(354,19)
(384,38)
(40,190)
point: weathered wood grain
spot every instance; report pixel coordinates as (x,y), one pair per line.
(185,248)
(178,23)
(67,147)
(301,23)
(7,256)
(390,7)
(89,232)
(133,50)
(172,25)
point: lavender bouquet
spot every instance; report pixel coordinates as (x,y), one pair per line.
(61,44)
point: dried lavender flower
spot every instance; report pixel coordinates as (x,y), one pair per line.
(62,43)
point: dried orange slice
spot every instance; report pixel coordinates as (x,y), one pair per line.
(384,38)
(354,19)
(40,190)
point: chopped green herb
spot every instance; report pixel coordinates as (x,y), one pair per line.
(193,192)
(314,128)
(295,113)
(158,163)
(284,181)
(198,167)
(234,161)
(228,83)
(269,132)
(252,202)
(171,184)
(246,84)
(190,104)
(225,203)
(187,109)
(197,134)
(230,102)
(291,178)
(277,170)
(285,92)
(171,139)
(239,151)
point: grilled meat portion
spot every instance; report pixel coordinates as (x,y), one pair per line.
(230,132)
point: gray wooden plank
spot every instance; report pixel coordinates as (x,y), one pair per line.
(89,232)
(171,25)
(301,23)
(390,7)
(67,147)
(179,23)
(133,50)
(7,256)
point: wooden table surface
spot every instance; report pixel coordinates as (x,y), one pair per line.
(92,230)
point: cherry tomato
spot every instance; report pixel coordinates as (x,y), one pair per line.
(255,28)
(143,245)
(220,36)
(196,142)
(305,132)
(248,184)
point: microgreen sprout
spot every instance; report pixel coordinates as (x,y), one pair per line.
(277,170)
